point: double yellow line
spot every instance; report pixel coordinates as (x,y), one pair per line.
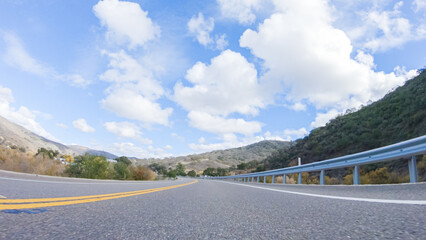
(51,202)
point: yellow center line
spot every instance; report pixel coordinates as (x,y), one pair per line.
(83,199)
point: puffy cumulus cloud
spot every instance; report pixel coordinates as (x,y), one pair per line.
(268,136)
(301,49)
(201,29)
(125,71)
(419,5)
(240,10)
(126,22)
(133,91)
(298,106)
(82,125)
(229,84)
(123,129)
(228,141)
(292,134)
(388,29)
(131,149)
(23,116)
(62,125)
(127,130)
(214,124)
(18,57)
(323,118)
(125,102)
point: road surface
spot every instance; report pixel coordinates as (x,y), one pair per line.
(207,209)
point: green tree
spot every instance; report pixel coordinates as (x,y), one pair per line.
(210,172)
(121,171)
(124,160)
(172,173)
(180,169)
(242,166)
(192,173)
(159,168)
(94,167)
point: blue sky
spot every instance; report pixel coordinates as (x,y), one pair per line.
(166,78)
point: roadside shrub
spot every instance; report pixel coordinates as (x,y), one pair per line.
(142,173)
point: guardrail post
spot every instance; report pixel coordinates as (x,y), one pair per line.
(356,175)
(273,179)
(284,179)
(252,179)
(299,181)
(412,169)
(257,179)
(322,177)
(264,179)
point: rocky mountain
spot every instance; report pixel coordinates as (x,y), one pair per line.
(13,135)
(222,158)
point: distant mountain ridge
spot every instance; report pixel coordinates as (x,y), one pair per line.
(13,135)
(222,158)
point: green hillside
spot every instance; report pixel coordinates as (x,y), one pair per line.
(398,116)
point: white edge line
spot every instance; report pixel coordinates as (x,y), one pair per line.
(410,202)
(1,196)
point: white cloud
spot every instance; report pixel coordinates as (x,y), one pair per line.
(23,116)
(61,125)
(229,141)
(201,140)
(82,125)
(134,91)
(123,129)
(124,71)
(221,42)
(240,10)
(302,50)
(18,57)
(388,29)
(219,125)
(126,22)
(129,104)
(229,84)
(419,5)
(178,137)
(201,28)
(298,106)
(295,133)
(323,118)
(268,136)
(168,147)
(132,150)
(127,130)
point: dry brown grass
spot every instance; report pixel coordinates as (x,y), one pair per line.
(15,160)
(142,173)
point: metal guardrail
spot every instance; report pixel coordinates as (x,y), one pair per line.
(406,149)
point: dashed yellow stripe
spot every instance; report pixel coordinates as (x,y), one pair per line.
(51,202)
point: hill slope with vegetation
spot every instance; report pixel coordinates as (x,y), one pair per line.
(399,116)
(222,158)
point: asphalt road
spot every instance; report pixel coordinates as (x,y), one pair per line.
(211,209)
